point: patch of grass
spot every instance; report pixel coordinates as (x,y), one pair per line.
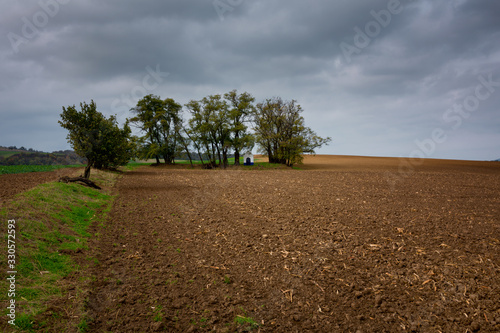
(134,165)
(158,314)
(50,219)
(24,322)
(9,169)
(28,293)
(202,322)
(83,325)
(248,323)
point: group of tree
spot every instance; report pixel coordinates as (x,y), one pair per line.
(281,133)
(161,121)
(219,125)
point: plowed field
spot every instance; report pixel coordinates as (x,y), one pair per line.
(336,247)
(12,184)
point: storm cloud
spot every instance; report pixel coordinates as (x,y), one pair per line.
(381,78)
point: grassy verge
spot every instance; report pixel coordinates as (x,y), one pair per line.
(51,227)
(8,169)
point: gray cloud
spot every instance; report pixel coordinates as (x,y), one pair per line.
(393,92)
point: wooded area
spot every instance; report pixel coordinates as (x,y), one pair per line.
(221,124)
(218,126)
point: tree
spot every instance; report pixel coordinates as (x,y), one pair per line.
(97,138)
(209,128)
(162,122)
(170,122)
(281,132)
(185,142)
(145,119)
(238,115)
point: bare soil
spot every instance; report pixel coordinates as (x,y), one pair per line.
(12,184)
(336,247)
(346,244)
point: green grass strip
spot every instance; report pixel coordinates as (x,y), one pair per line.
(49,218)
(10,169)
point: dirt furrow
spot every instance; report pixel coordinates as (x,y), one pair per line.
(300,250)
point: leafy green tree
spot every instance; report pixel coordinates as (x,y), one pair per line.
(241,108)
(170,128)
(281,132)
(197,130)
(209,127)
(145,119)
(97,138)
(161,120)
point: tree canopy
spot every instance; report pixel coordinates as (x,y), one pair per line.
(218,125)
(161,120)
(97,138)
(240,109)
(221,124)
(281,133)
(210,128)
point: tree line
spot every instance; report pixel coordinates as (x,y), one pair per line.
(31,150)
(218,126)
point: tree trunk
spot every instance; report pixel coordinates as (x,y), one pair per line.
(209,156)
(219,155)
(190,159)
(201,158)
(237,149)
(199,153)
(187,151)
(269,152)
(157,159)
(86,181)
(86,173)
(236,157)
(224,158)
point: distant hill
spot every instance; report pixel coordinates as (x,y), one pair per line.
(41,159)
(16,156)
(12,150)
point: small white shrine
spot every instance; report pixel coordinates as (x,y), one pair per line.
(248,158)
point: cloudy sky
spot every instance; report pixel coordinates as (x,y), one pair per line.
(381,78)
